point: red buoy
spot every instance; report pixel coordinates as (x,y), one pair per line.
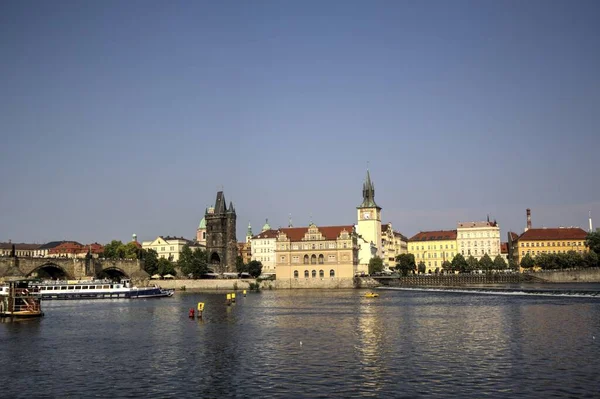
(192,313)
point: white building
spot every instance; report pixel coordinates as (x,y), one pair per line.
(262,247)
(167,247)
(478,238)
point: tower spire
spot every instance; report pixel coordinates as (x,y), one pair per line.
(368,193)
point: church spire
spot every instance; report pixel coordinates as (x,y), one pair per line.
(368,193)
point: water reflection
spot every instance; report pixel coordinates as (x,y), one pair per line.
(307,344)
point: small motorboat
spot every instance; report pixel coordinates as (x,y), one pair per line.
(371,295)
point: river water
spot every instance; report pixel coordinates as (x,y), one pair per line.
(310,343)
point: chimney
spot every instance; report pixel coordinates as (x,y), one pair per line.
(528,219)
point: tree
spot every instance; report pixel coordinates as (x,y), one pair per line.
(447,266)
(592,241)
(150,258)
(459,263)
(472,264)
(421,268)
(499,263)
(512,265)
(590,259)
(375,265)
(406,263)
(527,262)
(114,250)
(486,263)
(240,267)
(573,259)
(255,268)
(193,262)
(546,261)
(130,251)
(165,266)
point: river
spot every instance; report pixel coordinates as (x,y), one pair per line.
(310,343)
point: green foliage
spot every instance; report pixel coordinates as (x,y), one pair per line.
(255,268)
(459,263)
(405,263)
(592,241)
(165,266)
(512,265)
(375,265)
(499,263)
(421,267)
(447,266)
(150,258)
(472,264)
(527,262)
(254,286)
(590,259)
(240,267)
(486,263)
(194,262)
(117,250)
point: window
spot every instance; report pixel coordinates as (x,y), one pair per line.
(332,273)
(314,273)
(331,258)
(295,273)
(295,259)
(306,274)
(306,259)
(282,258)
(204,235)
(321,273)
(313,260)
(321,259)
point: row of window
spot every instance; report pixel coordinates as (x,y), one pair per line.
(416,247)
(330,245)
(430,255)
(462,244)
(314,273)
(312,259)
(480,234)
(553,244)
(548,252)
(482,252)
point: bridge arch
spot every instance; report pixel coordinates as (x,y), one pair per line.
(112,273)
(50,270)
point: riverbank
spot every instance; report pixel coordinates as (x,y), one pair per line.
(211,285)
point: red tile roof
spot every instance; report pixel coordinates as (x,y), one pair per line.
(559,233)
(503,247)
(21,246)
(513,236)
(267,234)
(434,235)
(329,232)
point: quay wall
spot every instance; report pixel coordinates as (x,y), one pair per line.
(209,285)
(591,275)
(314,283)
(451,279)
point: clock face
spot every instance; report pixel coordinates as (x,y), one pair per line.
(367,215)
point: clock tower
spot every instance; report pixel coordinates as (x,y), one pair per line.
(369,226)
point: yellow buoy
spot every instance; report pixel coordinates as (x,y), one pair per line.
(233,296)
(229,297)
(200,306)
(244,292)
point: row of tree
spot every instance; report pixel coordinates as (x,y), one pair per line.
(567,260)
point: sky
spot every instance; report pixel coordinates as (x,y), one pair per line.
(127,117)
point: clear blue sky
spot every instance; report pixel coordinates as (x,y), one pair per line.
(121,117)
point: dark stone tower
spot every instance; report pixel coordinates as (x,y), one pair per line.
(221,242)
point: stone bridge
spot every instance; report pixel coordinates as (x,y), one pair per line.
(69,268)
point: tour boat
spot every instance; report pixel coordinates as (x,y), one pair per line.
(371,295)
(18,299)
(98,289)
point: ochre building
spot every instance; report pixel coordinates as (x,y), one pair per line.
(433,248)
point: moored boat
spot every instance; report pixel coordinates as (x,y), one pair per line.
(98,289)
(371,295)
(18,299)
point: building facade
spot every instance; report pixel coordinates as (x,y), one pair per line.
(433,248)
(312,257)
(393,244)
(167,247)
(478,238)
(221,241)
(551,241)
(262,247)
(368,226)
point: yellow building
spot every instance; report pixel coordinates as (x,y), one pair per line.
(551,241)
(433,248)
(392,244)
(316,257)
(167,247)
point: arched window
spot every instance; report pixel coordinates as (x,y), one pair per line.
(313,259)
(295,273)
(306,259)
(314,273)
(332,273)
(306,274)
(321,259)
(321,273)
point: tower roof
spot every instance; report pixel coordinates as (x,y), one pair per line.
(368,193)
(220,203)
(266,226)
(249,232)
(202,224)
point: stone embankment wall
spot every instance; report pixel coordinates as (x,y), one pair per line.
(451,279)
(208,285)
(313,283)
(591,275)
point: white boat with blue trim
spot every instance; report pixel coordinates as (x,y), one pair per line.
(98,289)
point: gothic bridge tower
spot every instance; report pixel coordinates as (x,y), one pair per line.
(221,241)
